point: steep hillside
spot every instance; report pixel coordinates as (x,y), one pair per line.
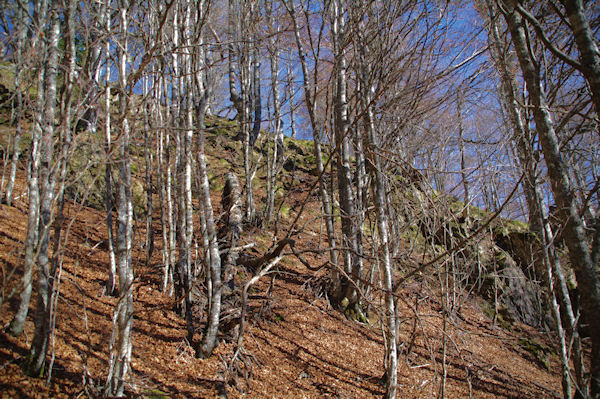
(295,344)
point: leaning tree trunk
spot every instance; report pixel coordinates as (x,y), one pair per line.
(538,220)
(33,216)
(579,253)
(587,46)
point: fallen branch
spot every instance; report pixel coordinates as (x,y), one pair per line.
(275,260)
(255,263)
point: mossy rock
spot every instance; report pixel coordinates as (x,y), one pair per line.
(87,172)
(353,312)
(540,352)
(516,294)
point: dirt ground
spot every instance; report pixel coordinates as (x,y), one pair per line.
(296,345)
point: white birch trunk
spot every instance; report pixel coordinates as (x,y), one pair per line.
(31,239)
(120,350)
(39,344)
(111,283)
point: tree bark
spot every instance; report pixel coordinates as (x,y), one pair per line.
(589,55)
(375,168)
(345,186)
(120,350)
(33,215)
(20,32)
(39,346)
(111,283)
(579,253)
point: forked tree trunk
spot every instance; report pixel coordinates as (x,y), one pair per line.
(39,346)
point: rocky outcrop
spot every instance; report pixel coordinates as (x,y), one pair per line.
(503,264)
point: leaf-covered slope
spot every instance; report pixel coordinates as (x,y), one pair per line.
(296,344)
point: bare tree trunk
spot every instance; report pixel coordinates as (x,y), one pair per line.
(375,167)
(538,219)
(290,95)
(39,346)
(310,92)
(149,161)
(345,189)
(186,211)
(209,341)
(588,50)
(33,215)
(171,112)
(256,94)
(463,165)
(20,32)
(232,208)
(233,55)
(579,252)
(111,284)
(521,135)
(278,148)
(120,348)
(62,168)
(248,99)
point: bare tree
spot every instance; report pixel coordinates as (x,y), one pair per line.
(310,83)
(31,240)
(20,23)
(120,345)
(243,51)
(558,171)
(276,161)
(214,263)
(45,274)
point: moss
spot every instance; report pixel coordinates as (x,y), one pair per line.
(541,352)
(284,211)
(503,319)
(354,313)
(155,394)
(507,226)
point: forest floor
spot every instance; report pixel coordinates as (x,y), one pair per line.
(296,344)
